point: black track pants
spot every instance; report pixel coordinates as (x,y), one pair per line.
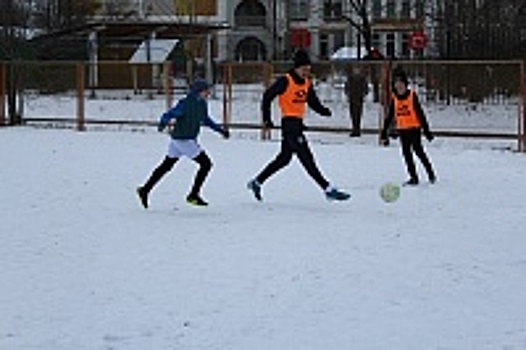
(411,141)
(294,143)
(205,165)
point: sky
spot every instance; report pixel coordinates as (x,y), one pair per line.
(85,267)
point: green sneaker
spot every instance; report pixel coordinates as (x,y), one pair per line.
(196,200)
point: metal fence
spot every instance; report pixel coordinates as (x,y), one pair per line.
(462,98)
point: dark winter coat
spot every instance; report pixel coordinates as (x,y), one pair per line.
(356,87)
(189,113)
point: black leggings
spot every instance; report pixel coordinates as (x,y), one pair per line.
(411,141)
(294,143)
(205,165)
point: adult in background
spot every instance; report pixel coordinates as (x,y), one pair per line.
(356,88)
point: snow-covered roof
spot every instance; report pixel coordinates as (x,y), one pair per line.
(348,53)
(159,51)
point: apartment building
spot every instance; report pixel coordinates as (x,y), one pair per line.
(272,29)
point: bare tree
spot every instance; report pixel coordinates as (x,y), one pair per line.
(360,21)
(51,15)
(14,19)
(482,29)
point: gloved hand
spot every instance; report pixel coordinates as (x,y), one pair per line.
(326,112)
(268,124)
(429,135)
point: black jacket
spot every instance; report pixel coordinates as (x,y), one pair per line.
(279,87)
(418,110)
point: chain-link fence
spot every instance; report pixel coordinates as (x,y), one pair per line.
(464,98)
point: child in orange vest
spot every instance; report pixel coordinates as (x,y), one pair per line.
(405,110)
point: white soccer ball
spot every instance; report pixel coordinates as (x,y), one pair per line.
(390,192)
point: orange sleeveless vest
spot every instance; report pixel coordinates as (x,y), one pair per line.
(292,102)
(405,114)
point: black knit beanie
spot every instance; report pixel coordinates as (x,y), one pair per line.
(400,75)
(301,58)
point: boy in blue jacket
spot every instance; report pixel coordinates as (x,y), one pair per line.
(184,121)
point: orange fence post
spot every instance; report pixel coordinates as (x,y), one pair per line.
(168,84)
(80,97)
(2,95)
(227,94)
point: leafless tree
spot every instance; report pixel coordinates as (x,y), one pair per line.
(483,29)
(360,21)
(14,24)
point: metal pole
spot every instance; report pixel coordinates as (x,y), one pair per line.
(522,117)
(2,95)
(208,61)
(93,62)
(80,97)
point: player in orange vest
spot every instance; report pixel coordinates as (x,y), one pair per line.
(405,110)
(294,91)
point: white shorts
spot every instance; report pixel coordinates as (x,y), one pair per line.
(188,148)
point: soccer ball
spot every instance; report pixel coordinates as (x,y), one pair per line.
(390,192)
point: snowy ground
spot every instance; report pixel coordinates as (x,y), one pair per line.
(84,267)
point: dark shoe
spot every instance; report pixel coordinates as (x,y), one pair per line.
(411,182)
(355,134)
(196,200)
(432,179)
(255,187)
(336,195)
(143,196)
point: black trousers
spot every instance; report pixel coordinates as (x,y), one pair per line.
(355,112)
(411,141)
(205,165)
(293,142)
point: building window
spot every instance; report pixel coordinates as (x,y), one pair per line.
(420,10)
(332,9)
(324,46)
(338,39)
(250,13)
(390,45)
(405,45)
(377,9)
(251,49)
(298,9)
(376,41)
(406,9)
(391,8)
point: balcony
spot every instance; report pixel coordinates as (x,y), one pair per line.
(250,21)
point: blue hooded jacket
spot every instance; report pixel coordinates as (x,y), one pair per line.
(189,114)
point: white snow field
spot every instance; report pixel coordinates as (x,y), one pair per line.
(85,267)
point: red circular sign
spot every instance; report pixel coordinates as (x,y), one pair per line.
(417,40)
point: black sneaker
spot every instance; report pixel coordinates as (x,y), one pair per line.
(143,196)
(255,187)
(432,179)
(411,182)
(334,194)
(196,200)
